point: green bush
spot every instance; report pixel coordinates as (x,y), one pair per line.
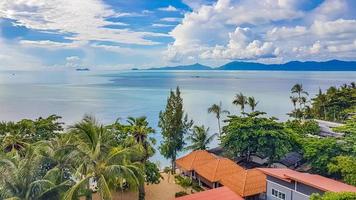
(334,196)
(180,194)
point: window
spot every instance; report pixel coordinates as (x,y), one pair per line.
(278,194)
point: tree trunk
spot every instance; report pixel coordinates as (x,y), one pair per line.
(219,127)
(174,164)
(141,191)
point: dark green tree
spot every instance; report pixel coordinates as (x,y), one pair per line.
(319,152)
(174,124)
(253,134)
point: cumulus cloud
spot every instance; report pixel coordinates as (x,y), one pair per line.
(247,29)
(83,20)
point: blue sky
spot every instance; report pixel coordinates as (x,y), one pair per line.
(121,34)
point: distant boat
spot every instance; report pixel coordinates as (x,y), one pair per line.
(82,69)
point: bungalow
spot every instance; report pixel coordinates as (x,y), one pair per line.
(291,160)
(188,163)
(211,173)
(214,172)
(287,184)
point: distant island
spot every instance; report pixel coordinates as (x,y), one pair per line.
(195,66)
(82,69)
(331,65)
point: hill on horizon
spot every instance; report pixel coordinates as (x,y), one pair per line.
(331,65)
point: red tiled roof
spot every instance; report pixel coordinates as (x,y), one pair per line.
(317,181)
(246,183)
(193,159)
(221,193)
(216,169)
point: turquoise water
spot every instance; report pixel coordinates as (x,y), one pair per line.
(112,94)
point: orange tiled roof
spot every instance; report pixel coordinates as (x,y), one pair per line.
(216,169)
(317,181)
(221,193)
(246,182)
(194,159)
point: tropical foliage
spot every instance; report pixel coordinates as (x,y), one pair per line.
(218,111)
(253,135)
(335,104)
(200,138)
(41,160)
(334,196)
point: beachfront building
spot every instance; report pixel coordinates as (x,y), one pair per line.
(215,172)
(287,184)
(188,163)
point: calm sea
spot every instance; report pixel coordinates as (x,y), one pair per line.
(111,94)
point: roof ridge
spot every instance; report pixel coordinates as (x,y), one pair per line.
(216,168)
(244,183)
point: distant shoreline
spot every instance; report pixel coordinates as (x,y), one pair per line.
(331,65)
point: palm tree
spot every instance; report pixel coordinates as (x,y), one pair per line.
(251,101)
(218,111)
(294,101)
(140,130)
(240,100)
(200,138)
(299,90)
(22,178)
(103,167)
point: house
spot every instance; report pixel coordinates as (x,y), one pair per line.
(290,160)
(249,184)
(221,193)
(214,172)
(188,163)
(287,184)
(211,173)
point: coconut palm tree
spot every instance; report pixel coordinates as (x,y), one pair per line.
(240,100)
(200,138)
(218,111)
(139,129)
(299,90)
(103,167)
(294,101)
(251,101)
(22,177)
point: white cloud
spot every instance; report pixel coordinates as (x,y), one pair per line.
(48,44)
(247,29)
(84,20)
(73,61)
(162,25)
(169,8)
(171,19)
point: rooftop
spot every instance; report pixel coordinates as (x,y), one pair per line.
(217,169)
(194,159)
(316,181)
(214,194)
(246,182)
